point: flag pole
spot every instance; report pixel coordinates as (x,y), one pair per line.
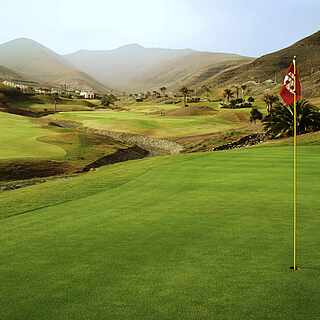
(295,167)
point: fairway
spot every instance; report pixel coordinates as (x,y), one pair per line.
(202,236)
(156,125)
(21,139)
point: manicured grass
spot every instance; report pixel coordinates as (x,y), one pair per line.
(160,126)
(202,236)
(20,139)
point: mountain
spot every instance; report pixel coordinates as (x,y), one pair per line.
(36,62)
(274,65)
(135,67)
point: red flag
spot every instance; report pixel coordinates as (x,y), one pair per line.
(287,88)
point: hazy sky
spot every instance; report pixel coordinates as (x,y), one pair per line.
(250,27)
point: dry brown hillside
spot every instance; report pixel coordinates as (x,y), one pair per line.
(273,66)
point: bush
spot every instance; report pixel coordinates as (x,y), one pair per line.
(236,104)
(279,123)
(108,100)
(255,115)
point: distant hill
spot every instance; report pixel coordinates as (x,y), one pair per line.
(136,67)
(274,65)
(36,62)
(6,74)
(133,67)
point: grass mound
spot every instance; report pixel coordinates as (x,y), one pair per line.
(191,111)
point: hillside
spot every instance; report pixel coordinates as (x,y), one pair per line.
(36,62)
(136,67)
(275,64)
(6,73)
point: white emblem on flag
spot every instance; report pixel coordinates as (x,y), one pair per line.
(289,82)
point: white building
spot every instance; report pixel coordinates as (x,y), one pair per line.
(87,94)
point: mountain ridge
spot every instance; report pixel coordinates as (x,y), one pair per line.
(274,65)
(132,66)
(34,61)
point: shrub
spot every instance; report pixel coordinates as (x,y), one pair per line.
(280,122)
(255,115)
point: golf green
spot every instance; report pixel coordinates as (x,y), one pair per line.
(202,236)
(21,139)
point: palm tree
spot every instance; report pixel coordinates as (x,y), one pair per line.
(237,90)
(185,91)
(280,122)
(55,99)
(228,94)
(156,94)
(243,89)
(206,89)
(270,100)
(163,90)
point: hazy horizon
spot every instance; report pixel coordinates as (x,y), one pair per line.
(246,27)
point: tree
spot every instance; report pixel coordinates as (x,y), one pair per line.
(108,99)
(163,90)
(280,122)
(156,94)
(251,99)
(237,90)
(228,94)
(206,89)
(243,89)
(255,115)
(55,100)
(185,91)
(270,100)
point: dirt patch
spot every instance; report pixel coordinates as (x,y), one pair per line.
(28,169)
(191,111)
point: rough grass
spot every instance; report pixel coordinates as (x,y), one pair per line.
(202,236)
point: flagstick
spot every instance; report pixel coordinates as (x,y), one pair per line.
(295,170)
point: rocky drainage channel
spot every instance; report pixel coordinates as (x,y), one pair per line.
(139,148)
(246,141)
(154,146)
